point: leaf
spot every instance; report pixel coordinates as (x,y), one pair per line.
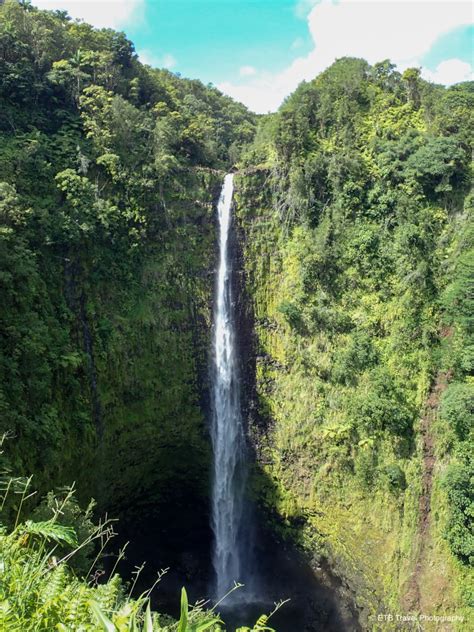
(107,624)
(51,530)
(133,624)
(206,625)
(183,620)
(148,627)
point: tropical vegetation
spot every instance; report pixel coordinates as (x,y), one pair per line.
(354,235)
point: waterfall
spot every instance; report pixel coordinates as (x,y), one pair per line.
(227,430)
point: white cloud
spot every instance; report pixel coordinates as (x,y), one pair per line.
(100,13)
(449,72)
(402,30)
(261,95)
(247,71)
(166,61)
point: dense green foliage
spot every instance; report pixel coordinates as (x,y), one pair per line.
(456,414)
(108,173)
(358,224)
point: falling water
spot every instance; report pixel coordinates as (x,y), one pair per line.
(227,428)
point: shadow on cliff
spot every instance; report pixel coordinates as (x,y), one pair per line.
(176,537)
(318,599)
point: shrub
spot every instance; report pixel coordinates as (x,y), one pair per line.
(381,406)
(458,485)
(395,477)
(355,358)
(74,516)
(457,408)
(365,464)
(292,314)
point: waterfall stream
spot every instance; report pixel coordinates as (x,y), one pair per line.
(227,430)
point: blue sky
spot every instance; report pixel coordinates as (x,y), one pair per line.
(258,51)
(214,39)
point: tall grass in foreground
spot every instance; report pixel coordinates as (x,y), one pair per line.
(40,590)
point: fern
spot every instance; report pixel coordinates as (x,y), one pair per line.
(53,584)
(108,594)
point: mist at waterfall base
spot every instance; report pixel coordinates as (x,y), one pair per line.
(208,548)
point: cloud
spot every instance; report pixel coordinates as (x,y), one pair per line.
(260,96)
(450,71)
(151,59)
(401,30)
(147,57)
(247,71)
(100,13)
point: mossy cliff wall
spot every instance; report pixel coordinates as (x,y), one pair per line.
(124,373)
(351,363)
(152,366)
